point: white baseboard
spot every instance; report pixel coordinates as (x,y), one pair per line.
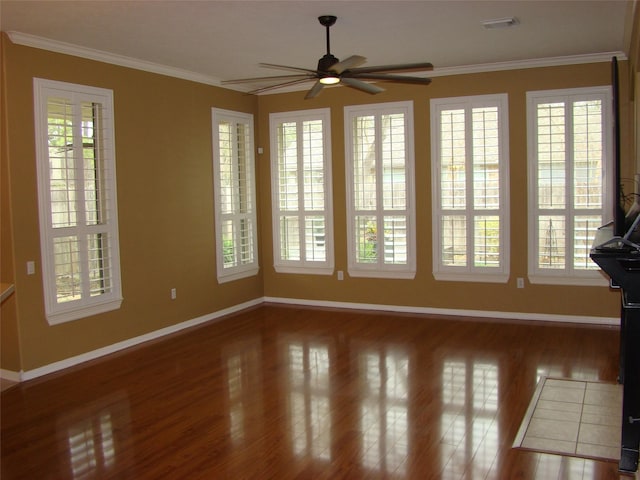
(10,375)
(545,317)
(100,352)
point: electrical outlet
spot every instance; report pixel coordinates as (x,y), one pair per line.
(520,282)
(174,294)
(340,275)
(31,267)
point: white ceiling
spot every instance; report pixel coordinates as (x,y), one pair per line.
(221,40)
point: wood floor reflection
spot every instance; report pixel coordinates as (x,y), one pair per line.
(298,393)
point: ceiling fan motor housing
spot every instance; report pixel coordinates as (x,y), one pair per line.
(326,62)
(327,20)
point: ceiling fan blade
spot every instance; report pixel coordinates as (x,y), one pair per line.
(401,67)
(315,90)
(360,85)
(347,63)
(391,78)
(266,79)
(279,85)
(287,67)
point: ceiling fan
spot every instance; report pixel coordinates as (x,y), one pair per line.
(331,71)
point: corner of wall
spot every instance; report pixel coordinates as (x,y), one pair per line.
(10,359)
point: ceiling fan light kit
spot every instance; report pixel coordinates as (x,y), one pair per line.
(330,80)
(332,71)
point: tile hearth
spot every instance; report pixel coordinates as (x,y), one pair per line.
(572,417)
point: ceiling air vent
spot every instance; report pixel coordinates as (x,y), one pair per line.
(500,23)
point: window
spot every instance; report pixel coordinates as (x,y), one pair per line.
(379,161)
(301,192)
(234,195)
(570,173)
(470,188)
(77,200)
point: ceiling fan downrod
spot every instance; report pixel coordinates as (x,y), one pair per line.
(328,60)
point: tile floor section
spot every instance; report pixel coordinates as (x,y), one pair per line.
(573,417)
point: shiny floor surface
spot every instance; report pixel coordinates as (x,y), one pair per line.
(298,393)
(6,384)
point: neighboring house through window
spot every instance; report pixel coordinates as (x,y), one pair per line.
(77,199)
(234,195)
(301,192)
(379,160)
(570,177)
(470,175)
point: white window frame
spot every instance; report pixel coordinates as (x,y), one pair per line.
(305,265)
(569,275)
(470,272)
(106,227)
(237,217)
(380,269)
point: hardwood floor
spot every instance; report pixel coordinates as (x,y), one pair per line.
(296,393)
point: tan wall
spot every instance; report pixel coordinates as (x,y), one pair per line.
(424,291)
(165,199)
(10,345)
(165,203)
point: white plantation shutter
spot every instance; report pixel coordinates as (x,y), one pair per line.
(301,192)
(234,195)
(470,188)
(77,199)
(569,164)
(380,182)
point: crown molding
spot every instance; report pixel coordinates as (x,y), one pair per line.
(124,61)
(499,66)
(530,63)
(42,43)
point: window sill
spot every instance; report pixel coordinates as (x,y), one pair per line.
(595,281)
(83,311)
(230,277)
(408,275)
(303,270)
(472,277)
